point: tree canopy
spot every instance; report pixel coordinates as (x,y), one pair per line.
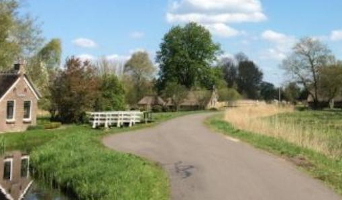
(19,36)
(308,56)
(185,57)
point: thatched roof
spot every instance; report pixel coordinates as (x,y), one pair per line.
(325,99)
(151,101)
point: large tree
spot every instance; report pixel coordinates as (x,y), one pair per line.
(267,91)
(229,70)
(308,56)
(19,36)
(139,72)
(185,57)
(249,79)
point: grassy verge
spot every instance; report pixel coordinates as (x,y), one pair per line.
(74,159)
(318,165)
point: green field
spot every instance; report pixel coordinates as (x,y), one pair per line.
(326,126)
(73,158)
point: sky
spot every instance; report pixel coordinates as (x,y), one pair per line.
(265,30)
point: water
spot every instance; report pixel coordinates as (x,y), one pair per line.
(40,191)
(16,180)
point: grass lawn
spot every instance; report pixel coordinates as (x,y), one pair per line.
(74,159)
(321,166)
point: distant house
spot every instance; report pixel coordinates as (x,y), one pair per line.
(14,175)
(18,100)
(324,102)
(148,102)
(200,99)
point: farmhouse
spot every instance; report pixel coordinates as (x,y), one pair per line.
(200,99)
(18,100)
(148,102)
(324,101)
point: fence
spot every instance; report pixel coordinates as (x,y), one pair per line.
(117,118)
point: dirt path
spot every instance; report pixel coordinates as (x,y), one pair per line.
(203,165)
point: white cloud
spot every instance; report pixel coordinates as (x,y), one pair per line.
(117,57)
(273,54)
(336,35)
(276,37)
(137,35)
(216,14)
(84,43)
(281,45)
(85,57)
(222,30)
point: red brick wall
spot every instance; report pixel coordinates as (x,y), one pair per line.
(20,93)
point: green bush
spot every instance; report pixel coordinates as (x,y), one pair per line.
(37,127)
(52,125)
(157,108)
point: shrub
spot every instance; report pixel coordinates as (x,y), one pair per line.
(157,108)
(52,125)
(37,127)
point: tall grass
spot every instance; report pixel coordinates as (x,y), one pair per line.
(283,122)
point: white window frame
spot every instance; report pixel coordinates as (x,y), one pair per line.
(30,118)
(28,165)
(14,108)
(11,171)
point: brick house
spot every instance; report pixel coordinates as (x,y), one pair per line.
(14,175)
(18,100)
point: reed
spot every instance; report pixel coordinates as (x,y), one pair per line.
(314,130)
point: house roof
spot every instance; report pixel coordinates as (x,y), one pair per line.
(151,100)
(7,79)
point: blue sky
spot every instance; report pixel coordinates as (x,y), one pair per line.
(263,29)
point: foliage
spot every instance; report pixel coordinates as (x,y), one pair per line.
(249,79)
(74,91)
(41,68)
(111,95)
(157,108)
(229,71)
(176,92)
(228,94)
(308,56)
(267,91)
(52,125)
(19,36)
(292,92)
(185,57)
(330,84)
(139,71)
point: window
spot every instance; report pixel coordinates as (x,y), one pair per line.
(10,110)
(24,167)
(8,169)
(27,109)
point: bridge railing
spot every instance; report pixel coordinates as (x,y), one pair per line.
(115,118)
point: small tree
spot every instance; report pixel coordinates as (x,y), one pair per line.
(330,82)
(176,92)
(249,79)
(267,91)
(74,91)
(228,95)
(292,92)
(111,94)
(139,72)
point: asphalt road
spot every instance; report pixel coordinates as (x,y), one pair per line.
(203,165)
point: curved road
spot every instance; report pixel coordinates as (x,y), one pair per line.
(203,165)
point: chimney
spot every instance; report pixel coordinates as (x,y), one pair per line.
(19,67)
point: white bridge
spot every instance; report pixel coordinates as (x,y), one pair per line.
(116,118)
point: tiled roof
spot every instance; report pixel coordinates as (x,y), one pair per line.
(6,81)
